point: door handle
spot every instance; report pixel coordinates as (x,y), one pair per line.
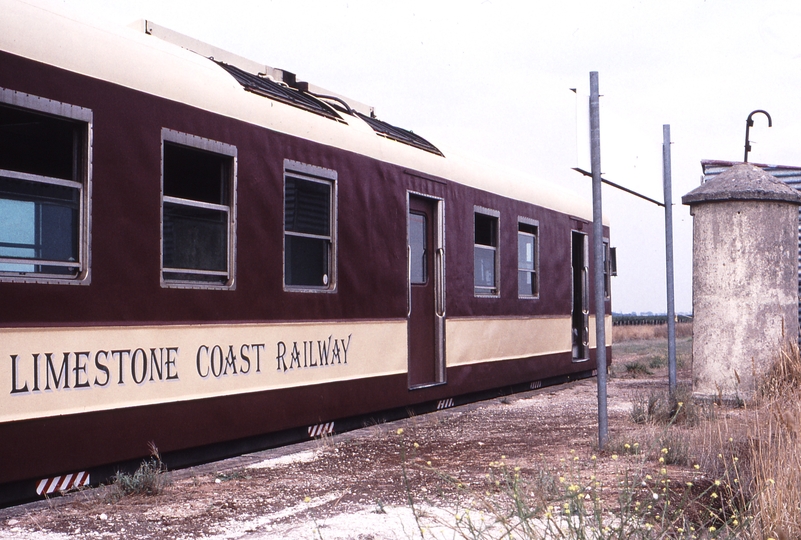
(408,281)
(439,258)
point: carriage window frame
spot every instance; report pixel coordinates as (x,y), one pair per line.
(494,218)
(305,172)
(80,182)
(529,227)
(195,278)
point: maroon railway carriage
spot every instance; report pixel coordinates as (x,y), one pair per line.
(205,253)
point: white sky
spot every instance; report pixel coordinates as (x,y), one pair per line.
(492,78)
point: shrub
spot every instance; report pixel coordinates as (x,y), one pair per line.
(657,362)
(637,368)
(662,409)
(149,479)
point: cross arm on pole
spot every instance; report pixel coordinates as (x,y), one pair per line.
(618,186)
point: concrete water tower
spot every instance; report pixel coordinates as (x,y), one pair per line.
(745,282)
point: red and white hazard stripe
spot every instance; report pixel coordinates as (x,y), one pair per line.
(321,429)
(46,486)
(444,404)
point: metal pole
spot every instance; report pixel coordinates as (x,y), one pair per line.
(671,314)
(598,262)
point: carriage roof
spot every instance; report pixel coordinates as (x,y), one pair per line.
(139,60)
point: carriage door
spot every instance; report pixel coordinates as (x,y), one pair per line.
(426,302)
(581,305)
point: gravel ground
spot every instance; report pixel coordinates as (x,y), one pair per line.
(380,482)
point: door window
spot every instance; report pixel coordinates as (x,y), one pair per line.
(417,249)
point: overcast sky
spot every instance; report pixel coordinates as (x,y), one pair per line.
(492,78)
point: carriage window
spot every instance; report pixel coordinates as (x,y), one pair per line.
(485,253)
(309,210)
(198,193)
(44,173)
(527,261)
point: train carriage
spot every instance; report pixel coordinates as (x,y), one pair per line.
(211,255)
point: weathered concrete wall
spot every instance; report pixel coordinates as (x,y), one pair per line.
(744,257)
(745,287)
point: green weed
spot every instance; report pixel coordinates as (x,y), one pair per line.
(149,479)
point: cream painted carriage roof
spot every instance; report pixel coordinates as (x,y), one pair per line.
(145,63)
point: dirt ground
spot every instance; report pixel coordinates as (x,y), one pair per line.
(369,483)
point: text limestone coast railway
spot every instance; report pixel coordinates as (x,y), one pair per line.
(208,254)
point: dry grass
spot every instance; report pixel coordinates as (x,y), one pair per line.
(635,332)
(750,457)
(755,456)
(775,453)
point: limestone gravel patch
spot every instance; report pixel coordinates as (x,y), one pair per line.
(351,485)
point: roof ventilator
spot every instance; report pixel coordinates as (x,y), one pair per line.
(283,86)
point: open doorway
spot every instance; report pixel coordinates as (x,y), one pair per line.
(580,312)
